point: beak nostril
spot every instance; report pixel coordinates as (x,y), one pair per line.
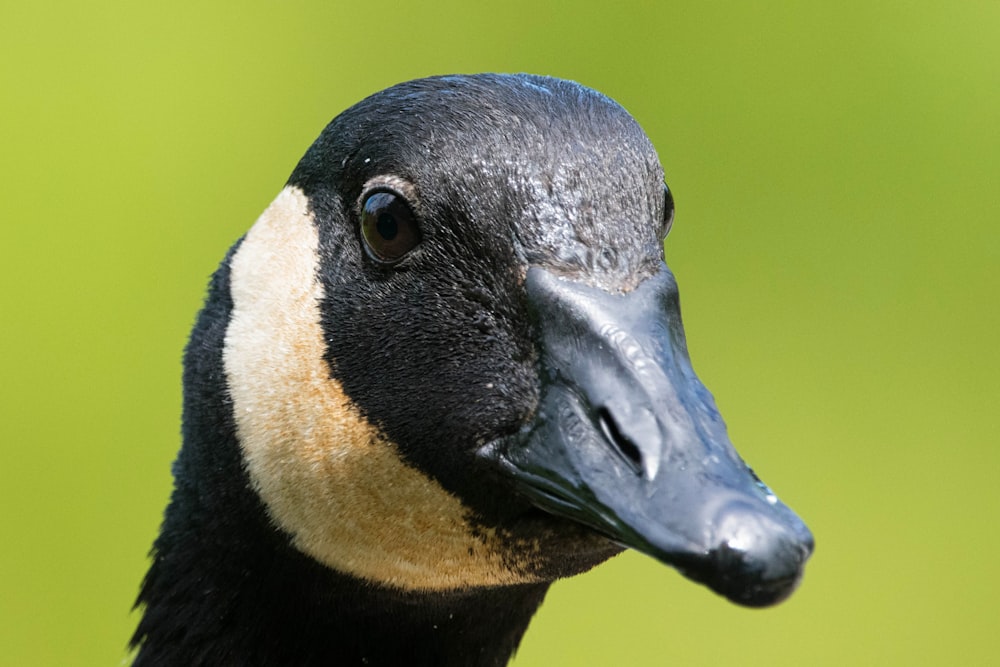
(628,449)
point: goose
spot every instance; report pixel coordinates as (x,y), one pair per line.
(444,368)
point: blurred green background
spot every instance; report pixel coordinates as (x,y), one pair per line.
(837,174)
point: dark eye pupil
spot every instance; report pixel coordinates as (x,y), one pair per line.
(387,226)
(668,211)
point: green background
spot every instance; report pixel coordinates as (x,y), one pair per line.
(836,168)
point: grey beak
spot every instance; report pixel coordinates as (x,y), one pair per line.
(628,441)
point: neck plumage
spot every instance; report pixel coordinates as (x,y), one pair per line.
(227,588)
(282,609)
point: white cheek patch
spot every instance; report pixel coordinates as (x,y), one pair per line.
(327,476)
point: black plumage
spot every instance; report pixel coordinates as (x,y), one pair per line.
(489,368)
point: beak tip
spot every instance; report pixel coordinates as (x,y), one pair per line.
(763,570)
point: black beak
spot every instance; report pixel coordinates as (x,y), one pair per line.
(628,441)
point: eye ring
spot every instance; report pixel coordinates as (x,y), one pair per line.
(388,227)
(668,212)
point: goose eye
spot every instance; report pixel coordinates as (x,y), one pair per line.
(387,227)
(668,212)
